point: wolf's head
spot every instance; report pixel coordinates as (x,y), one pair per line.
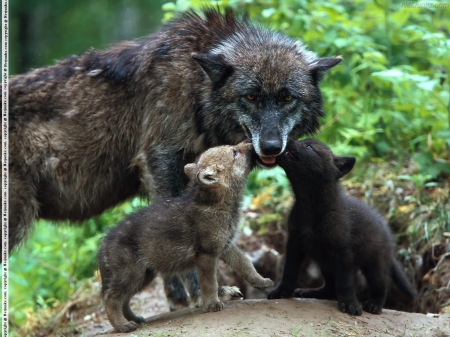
(268,84)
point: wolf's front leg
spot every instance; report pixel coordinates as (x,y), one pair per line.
(207,274)
(241,264)
(161,168)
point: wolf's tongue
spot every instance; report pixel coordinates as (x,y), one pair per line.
(268,160)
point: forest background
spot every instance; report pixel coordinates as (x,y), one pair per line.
(387,103)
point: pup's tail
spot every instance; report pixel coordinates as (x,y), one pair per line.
(402,282)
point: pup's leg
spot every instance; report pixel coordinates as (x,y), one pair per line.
(127,312)
(121,279)
(161,169)
(294,257)
(237,260)
(114,305)
(207,274)
(376,277)
(345,289)
(23,207)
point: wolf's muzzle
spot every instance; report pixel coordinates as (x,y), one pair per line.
(271,147)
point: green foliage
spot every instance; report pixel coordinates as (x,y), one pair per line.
(56,259)
(44,31)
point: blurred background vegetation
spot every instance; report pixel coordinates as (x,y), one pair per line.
(387,103)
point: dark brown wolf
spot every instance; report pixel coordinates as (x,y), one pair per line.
(97,129)
(341,233)
(176,234)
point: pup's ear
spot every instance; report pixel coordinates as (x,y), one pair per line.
(189,169)
(208,177)
(344,164)
(214,66)
(321,66)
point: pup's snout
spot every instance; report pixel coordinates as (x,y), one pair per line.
(271,147)
(245,146)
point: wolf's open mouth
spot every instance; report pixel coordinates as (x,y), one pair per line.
(267,162)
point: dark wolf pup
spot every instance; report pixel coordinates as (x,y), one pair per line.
(97,129)
(341,233)
(177,234)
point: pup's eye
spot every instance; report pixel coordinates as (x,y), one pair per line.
(234,153)
(309,147)
(250,97)
(287,98)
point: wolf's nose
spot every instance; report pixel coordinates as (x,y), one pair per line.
(271,147)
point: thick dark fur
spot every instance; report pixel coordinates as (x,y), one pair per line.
(97,129)
(176,234)
(341,233)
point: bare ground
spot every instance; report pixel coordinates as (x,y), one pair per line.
(286,317)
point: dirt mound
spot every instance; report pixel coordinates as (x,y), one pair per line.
(289,317)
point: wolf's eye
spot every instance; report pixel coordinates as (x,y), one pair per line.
(234,153)
(250,97)
(287,98)
(309,147)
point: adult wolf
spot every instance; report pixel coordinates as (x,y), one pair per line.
(96,129)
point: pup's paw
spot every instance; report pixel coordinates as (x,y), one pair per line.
(213,305)
(351,307)
(227,293)
(279,292)
(372,307)
(262,283)
(127,327)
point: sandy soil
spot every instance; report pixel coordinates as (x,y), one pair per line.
(287,317)
(293,317)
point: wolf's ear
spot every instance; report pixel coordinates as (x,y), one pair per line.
(208,177)
(214,66)
(344,164)
(189,169)
(321,66)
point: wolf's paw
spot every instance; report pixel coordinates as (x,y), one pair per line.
(227,293)
(262,283)
(351,307)
(214,305)
(127,327)
(279,292)
(374,308)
